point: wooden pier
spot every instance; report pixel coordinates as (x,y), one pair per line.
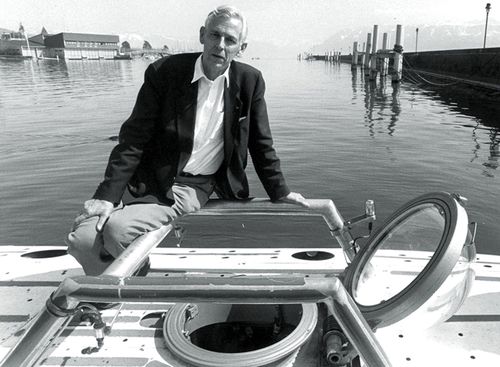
(375,62)
(478,68)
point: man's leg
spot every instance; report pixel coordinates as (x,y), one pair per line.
(134,220)
(95,251)
(86,245)
(127,223)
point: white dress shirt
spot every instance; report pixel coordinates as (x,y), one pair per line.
(208,145)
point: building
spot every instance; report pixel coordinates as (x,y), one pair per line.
(77,46)
(65,45)
(15,44)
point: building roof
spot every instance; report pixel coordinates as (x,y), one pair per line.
(39,38)
(85,37)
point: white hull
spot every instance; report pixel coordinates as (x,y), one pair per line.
(469,338)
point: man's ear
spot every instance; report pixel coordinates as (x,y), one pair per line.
(202,33)
(242,48)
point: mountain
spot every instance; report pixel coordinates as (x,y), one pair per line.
(269,50)
(158,41)
(430,37)
(255,48)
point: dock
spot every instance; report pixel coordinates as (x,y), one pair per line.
(477,67)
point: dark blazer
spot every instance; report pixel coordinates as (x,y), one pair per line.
(156,141)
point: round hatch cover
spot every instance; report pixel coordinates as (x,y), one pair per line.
(408,258)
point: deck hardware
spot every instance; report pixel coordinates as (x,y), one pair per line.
(343,235)
(338,351)
(369,215)
(191,312)
(92,315)
(179,232)
(100,331)
(469,250)
(473,233)
(313,255)
(461,199)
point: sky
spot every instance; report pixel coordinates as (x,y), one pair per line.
(281,22)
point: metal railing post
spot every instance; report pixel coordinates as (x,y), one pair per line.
(58,310)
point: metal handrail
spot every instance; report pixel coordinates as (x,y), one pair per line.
(317,207)
(115,285)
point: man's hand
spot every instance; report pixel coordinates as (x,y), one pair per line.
(295,198)
(92,208)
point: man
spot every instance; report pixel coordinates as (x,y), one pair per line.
(195,118)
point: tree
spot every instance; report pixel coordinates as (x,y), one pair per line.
(125,45)
(165,47)
(146,46)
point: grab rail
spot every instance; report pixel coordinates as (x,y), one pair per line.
(317,207)
(115,284)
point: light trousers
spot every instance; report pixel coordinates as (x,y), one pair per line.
(96,250)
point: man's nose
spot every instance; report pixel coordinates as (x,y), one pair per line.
(221,43)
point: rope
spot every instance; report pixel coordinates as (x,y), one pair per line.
(411,70)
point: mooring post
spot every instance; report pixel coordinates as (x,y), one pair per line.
(383,58)
(354,62)
(397,73)
(362,61)
(373,56)
(367,53)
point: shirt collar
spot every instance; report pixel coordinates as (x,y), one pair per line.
(199,73)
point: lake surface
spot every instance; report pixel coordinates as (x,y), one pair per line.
(338,137)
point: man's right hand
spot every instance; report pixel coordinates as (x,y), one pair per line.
(92,208)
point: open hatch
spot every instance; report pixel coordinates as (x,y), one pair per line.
(418,260)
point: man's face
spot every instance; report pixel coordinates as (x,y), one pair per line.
(221,40)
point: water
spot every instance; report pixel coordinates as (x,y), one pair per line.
(338,137)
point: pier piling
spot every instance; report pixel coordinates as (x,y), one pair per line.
(363,54)
(367,54)
(372,59)
(383,66)
(354,62)
(373,56)
(397,72)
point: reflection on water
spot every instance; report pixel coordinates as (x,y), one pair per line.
(494,150)
(339,136)
(483,108)
(381,101)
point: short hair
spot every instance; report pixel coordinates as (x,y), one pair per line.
(228,11)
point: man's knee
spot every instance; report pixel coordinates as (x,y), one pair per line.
(118,234)
(186,207)
(82,239)
(85,245)
(126,224)
(188,199)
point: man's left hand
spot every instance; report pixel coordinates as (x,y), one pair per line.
(295,198)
